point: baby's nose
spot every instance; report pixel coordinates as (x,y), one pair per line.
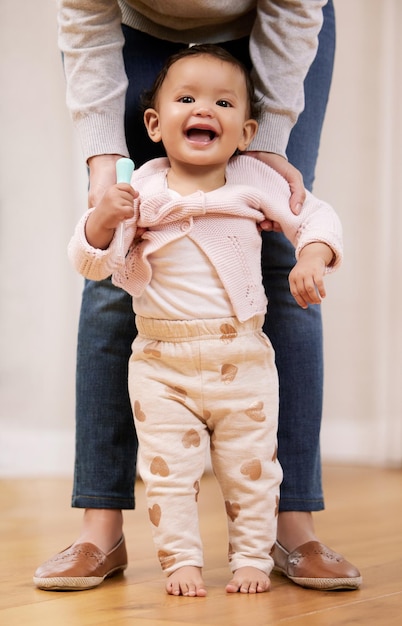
(203,111)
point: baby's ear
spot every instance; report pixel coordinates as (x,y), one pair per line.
(151,121)
(250,128)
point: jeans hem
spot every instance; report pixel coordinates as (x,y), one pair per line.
(298,504)
(102,502)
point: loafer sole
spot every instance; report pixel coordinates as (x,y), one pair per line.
(78,583)
(324,584)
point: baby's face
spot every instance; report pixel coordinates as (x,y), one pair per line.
(202,111)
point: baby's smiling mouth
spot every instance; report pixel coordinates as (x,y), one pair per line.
(200,135)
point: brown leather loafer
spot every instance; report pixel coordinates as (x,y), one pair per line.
(316,566)
(81,566)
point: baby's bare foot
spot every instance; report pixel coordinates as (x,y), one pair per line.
(186,581)
(248,580)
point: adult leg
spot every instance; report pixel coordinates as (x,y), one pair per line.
(106,443)
(105,463)
(296,335)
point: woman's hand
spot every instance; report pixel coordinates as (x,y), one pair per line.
(289,173)
(102,175)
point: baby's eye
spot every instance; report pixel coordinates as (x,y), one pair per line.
(223,103)
(186,99)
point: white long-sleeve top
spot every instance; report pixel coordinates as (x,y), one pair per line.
(222,223)
(283,44)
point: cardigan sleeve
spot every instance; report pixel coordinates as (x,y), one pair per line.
(317,220)
(94,263)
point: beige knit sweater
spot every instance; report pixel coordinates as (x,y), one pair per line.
(283,44)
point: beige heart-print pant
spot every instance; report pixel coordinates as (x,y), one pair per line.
(201,383)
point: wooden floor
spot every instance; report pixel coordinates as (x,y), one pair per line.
(362,520)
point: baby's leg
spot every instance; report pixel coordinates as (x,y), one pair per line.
(248,580)
(243,454)
(172,449)
(186,581)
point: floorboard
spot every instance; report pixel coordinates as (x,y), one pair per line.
(362,520)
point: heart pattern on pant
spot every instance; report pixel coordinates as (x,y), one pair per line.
(159,467)
(155,514)
(191,438)
(252,469)
(232,509)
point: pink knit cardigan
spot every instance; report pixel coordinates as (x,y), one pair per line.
(221,222)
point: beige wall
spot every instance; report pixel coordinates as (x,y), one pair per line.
(42,191)
(359,172)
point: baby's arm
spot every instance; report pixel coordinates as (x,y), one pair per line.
(306,280)
(116,205)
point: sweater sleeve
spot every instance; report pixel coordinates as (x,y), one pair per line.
(91,41)
(283,44)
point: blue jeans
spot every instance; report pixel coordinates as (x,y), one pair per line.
(106,443)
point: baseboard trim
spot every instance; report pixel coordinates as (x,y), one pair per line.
(31,453)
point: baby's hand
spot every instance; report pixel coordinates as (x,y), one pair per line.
(306,280)
(116,205)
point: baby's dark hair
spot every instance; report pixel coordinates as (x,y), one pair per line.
(149,97)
